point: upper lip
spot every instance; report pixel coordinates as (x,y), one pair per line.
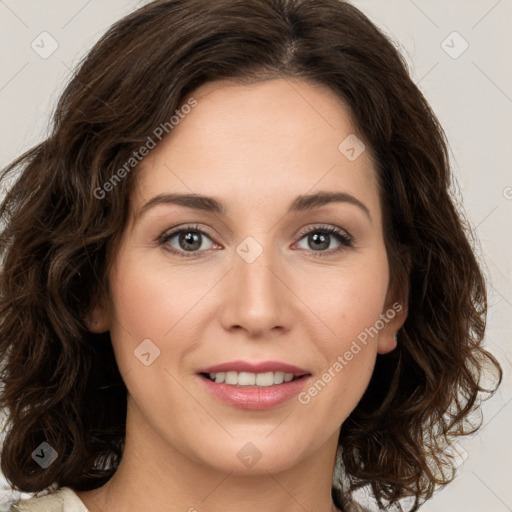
(262,367)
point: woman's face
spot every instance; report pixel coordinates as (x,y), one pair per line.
(260,281)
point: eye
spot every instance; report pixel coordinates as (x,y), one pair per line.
(189,239)
(320,238)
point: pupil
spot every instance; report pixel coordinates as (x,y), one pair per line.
(321,241)
(191,240)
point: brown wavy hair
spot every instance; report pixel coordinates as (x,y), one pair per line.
(60,382)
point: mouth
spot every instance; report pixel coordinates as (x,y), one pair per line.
(256,391)
(252,373)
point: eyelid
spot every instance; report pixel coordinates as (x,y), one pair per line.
(326,228)
(172,232)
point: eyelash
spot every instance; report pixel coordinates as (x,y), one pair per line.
(343,238)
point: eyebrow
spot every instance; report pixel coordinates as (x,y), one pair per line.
(209,204)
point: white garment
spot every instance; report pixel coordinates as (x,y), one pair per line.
(62,500)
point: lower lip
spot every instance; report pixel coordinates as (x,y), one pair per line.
(255,397)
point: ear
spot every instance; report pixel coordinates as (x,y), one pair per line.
(97,319)
(393,317)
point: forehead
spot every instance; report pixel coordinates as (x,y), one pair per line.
(263,143)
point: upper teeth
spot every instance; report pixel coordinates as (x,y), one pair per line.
(251,379)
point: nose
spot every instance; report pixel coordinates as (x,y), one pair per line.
(256,297)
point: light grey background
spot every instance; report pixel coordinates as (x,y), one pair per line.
(471,94)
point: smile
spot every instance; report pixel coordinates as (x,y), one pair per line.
(265,395)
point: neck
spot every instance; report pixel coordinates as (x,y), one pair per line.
(154,474)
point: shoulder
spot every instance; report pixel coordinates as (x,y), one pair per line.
(62,500)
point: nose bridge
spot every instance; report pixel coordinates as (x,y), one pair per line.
(256,298)
(252,266)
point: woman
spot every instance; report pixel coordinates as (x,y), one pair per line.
(234,274)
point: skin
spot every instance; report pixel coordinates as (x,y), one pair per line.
(255,148)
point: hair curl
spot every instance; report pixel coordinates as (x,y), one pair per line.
(61,383)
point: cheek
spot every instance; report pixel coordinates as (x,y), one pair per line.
(348,300)
(151,302)
(149,298)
